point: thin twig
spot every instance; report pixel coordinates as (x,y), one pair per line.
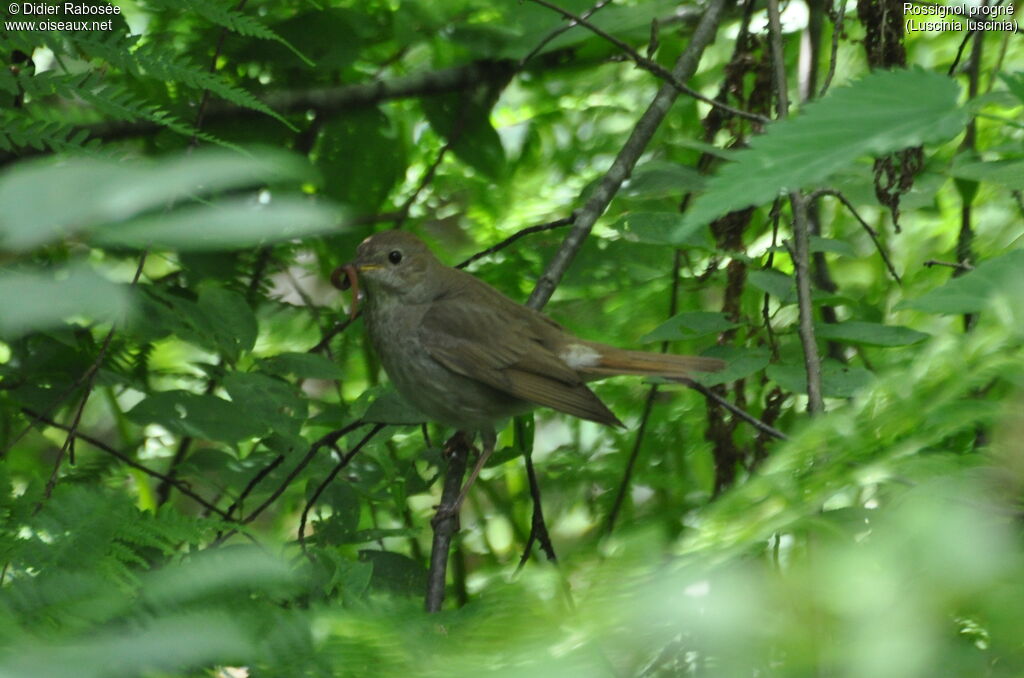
(345,459)
(325,341)
(670,77)
(634,454)
(627,157)
(529,230)
(326,440)
(837,31)
(403,211)
(100,445)
(561,29)
(952,264)
(864,224)
(742,414)
(538,526)
(801,238)
(256,480)
(87,379)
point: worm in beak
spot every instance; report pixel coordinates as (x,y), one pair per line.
(345,277)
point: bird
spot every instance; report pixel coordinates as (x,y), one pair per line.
(467,356)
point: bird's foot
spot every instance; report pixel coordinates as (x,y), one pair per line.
(443,513)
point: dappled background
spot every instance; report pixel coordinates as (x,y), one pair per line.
(205,471)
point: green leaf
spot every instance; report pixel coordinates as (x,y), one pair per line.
(841,247)
(34,300)
(234,324)
(883,112)
(270,401)
(1014,83)
(972,292)
(837,380)
(661,228)
(198,415)
(390,408)
(1007,173)
(688,325)
(740,364)
(229,224)
(465,123)
(395,572)
(41,201)
(779,285)
(661,179)
(869,334)
(361,157)
(302,365)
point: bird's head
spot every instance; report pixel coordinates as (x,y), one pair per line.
(395,266)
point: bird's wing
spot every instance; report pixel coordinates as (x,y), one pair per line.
(490,340)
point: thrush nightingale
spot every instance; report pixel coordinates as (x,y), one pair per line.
(468,356)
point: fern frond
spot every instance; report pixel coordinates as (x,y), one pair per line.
(233,20)
(149,61)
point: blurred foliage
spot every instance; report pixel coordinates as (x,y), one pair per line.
(182,398)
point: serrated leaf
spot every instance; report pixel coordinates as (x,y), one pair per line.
(302,365)
(972,292)
(819,244)
(661,228)
(837,380)
(395,572)
(232,320)
(270,401)
(1008,173)
(883,112)
(466,124)
(689,325)
(740,364)
(661,179)
(198,415)
(779,285)
(869,334)
(390,408)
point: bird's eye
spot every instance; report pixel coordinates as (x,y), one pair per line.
(395,257)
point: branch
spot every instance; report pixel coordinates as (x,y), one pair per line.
(330,477)
(866,226)
(562,29)
(256,480)
(446,524)
(329,101)
(742,414)
(632,150)
(801,239)
(87,379)
(529,230)
(100,445)
(671,77)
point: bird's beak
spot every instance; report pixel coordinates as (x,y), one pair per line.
(344,276)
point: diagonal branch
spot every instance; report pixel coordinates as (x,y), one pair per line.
(623,164)
(652,66)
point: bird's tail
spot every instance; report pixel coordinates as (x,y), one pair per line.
(614,361)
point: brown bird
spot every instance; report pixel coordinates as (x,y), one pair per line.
(468,356)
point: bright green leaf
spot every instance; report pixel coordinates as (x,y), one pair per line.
(869,334)
(689,325)
(882,112)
